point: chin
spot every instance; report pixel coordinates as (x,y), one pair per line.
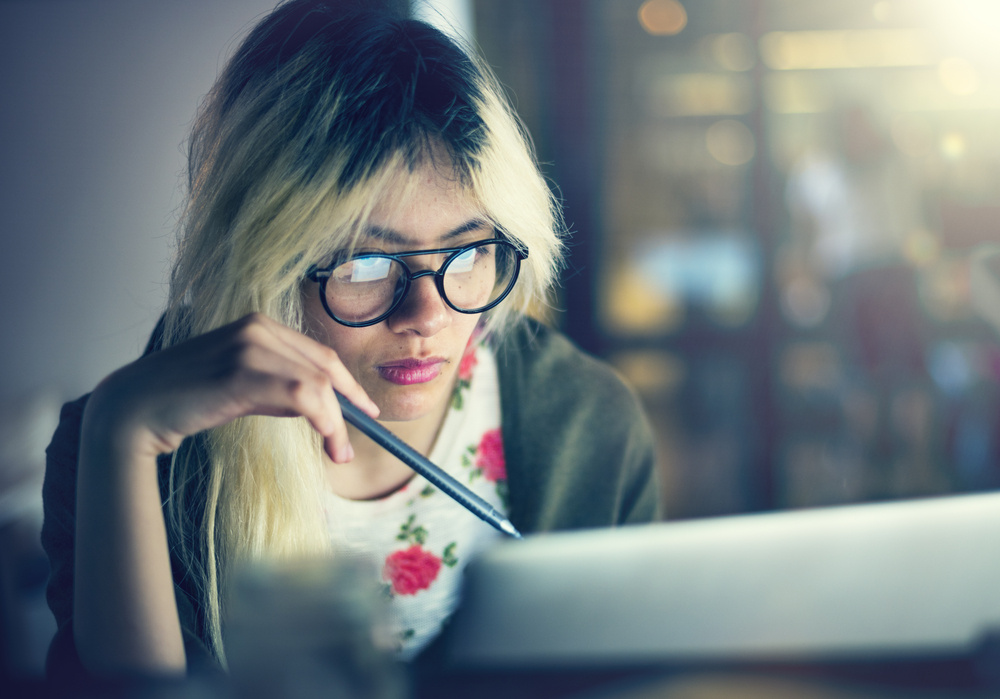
(406,403)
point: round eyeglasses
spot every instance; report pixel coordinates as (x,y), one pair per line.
(365,288)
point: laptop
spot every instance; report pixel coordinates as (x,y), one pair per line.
(891,580)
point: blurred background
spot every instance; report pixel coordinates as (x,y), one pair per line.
(775,205)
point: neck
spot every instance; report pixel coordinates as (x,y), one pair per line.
(374,472)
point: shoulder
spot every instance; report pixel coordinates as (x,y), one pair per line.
(67,434)
(579,449)
(543,364)
(59,489)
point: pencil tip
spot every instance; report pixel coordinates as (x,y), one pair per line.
(509,529)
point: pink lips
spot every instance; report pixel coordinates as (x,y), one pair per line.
(410,371)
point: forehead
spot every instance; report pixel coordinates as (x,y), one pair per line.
(427,209)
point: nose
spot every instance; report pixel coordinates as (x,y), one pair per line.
(423,311)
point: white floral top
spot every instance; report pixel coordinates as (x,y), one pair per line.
(419,538)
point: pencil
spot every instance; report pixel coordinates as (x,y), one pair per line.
(422,465)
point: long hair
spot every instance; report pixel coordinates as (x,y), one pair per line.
(325,109)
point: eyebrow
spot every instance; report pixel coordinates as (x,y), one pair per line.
(388,235)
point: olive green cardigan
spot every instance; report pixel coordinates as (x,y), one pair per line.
(578,449)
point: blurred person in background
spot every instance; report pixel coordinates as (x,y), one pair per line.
(364,215)
(855,206)
(855,209)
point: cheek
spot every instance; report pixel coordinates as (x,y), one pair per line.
(315,319)
(469,324)
(321,327)
(349,344)
(466,328)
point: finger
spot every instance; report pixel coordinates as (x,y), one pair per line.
(275,384)
(258,331)
(326,359)
(330,447)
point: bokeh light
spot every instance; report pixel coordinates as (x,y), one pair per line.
(953,145)
(650,372)
(958,76)
(862,48)
(805,301)
(663,17)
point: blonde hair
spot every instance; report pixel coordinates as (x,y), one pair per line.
(323,111)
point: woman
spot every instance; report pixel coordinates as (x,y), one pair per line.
(364,216)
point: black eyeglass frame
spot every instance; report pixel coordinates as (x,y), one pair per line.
(322,276)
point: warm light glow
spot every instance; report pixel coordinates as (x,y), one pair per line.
(922,90)
(872,48)
(662,17)
(881,11)
(971,26)
(650,371)
(805,301)
(692,94)
(733,51)
(633,306)
(796,93)
(958,76)
(953,145)
(730,142)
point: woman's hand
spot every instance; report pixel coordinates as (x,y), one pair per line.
(125,617)
(254,366)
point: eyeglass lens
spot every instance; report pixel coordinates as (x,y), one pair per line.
(366,287)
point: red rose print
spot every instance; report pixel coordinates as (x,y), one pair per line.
(468,363)
(411,570)
(489,456)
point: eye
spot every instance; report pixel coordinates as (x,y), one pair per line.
(464,261)
(363,269)
(369,269)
